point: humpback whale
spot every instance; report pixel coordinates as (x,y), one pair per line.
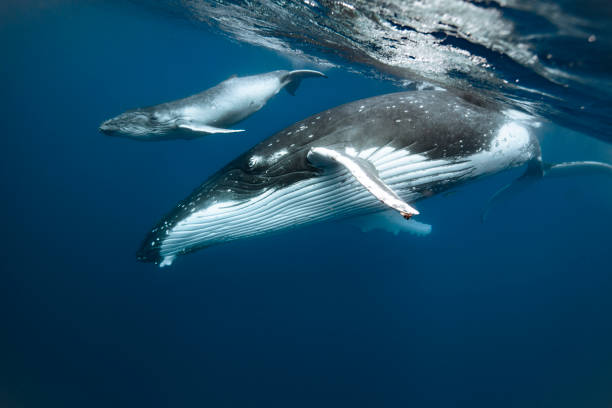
(207,112)
(376,154)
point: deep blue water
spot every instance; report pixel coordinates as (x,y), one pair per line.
(511,313)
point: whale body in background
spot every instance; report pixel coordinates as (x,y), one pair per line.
(377,154)
(210,111)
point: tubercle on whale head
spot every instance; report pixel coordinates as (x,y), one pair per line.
(149,251)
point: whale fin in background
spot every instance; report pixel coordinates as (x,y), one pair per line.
(292,80)
(388,221)
(578,168)
(536,170)
(365,173)
(206,128)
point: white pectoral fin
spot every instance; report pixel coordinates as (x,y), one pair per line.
(388,221)
(366,174)
(197,127)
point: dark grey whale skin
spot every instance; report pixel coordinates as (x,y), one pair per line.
(432,123)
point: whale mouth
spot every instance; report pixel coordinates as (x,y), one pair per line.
(137,124)
(107,128)
(131,126)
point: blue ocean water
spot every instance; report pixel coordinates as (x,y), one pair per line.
(511,313)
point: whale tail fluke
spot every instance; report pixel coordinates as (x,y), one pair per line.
(536,170)
(291,81)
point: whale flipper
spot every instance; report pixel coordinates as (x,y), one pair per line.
(365,173)
(388,221)
(577,168)
(536,170)
(292,80)
(207,129)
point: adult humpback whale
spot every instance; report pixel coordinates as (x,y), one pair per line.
(362,157)
(210,111)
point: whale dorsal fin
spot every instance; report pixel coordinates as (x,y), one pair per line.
(197,127)
(291,81)
(365,173)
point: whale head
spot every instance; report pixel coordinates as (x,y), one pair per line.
(136,124)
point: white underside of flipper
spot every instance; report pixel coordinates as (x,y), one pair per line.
(366,174)
(167,261)
(206,128)
(388,221)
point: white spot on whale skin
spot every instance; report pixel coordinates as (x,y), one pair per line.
(277,155)
(255,160)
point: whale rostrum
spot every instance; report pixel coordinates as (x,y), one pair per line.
(370,156)
(208,112)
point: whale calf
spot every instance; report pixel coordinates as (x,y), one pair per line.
(377,154)
(207,112)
